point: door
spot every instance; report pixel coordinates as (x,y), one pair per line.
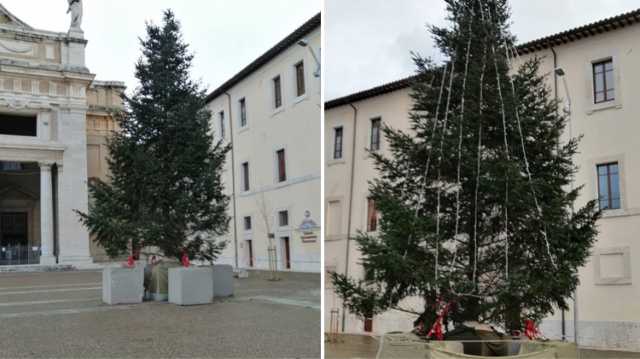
(286,248)
(250,247)
(14,238)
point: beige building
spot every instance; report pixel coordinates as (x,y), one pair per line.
(270,113)
(53,122)
(599,63)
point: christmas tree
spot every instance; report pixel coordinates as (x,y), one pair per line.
(476,200)
(165,190)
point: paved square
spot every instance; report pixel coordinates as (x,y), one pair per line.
(61,315)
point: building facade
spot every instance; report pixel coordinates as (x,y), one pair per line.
(52,115)
(270,114)
(598,64)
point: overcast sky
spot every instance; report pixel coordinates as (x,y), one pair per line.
(225,35)
(367,42)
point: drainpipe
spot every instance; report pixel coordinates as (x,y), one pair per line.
(555,93)
(349,216)
(233,181)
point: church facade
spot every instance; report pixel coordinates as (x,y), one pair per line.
(54,120)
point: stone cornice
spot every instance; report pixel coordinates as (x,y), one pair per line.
(40,102)
(34,35)
(50,70)
(31,151)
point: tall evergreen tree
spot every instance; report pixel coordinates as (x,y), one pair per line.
(165,189)
(476,201)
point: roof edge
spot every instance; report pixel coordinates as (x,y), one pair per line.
(273,52)
(578,33)
(371,92)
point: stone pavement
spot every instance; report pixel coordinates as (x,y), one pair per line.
(44,315)
(366,347)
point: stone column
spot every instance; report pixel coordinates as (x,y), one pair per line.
(46,215)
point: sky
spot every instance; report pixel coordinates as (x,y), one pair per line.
(368,42)
(225,35)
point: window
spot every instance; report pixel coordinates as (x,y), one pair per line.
(243,112)
(337,143)
(300,85)
(221,115)
(334,218)
(372,216)
(283,218)
(609,186)
(14,125)
(247,223)
(282,166)
(375,134)
(369,273)
(603,82)
(250,249)
(10,166)
(277,92)
(245,177)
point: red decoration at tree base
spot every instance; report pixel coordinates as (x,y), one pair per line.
(185,260)
(437,331)
(530,330)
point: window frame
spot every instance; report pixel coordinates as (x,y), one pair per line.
(299,70)
(277,92)
(609,195)
(246,183)
(605,90)
(221,117)
(245,222)
(283,214)
(372,215)
(242,104)
(281,165)
(338,147)
(376,132)
(11,166)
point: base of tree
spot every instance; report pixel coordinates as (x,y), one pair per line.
(368,325)
(412,346)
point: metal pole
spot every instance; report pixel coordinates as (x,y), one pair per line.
(349,216)
(233,182)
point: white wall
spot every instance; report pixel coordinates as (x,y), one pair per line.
(393,108)
(609,314)
(294,127)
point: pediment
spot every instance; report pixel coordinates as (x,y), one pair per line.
(8,19)
(17,194)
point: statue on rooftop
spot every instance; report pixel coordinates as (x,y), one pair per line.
(75,8)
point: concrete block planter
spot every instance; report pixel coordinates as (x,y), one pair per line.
(222,281)
(122,285)
(191,286)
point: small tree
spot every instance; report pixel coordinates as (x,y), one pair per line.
(476,200)
(272,253)
(165,189)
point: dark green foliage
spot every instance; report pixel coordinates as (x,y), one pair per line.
(403,253)
(165,189)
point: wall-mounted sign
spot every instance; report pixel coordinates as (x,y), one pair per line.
(308,229)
